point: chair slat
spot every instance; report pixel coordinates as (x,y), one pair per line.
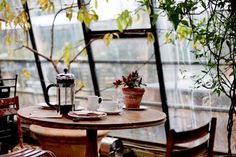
(38,153)
(35,152)
(17,152)
(191,135)
(20,153)
(8,111)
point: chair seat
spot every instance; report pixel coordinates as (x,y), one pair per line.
(27,152)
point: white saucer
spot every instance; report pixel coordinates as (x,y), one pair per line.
(110,112)
(140,108)
(87,115)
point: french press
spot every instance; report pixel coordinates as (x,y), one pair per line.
(65,92)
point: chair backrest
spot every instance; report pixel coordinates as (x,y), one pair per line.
(9,106)
(206,132)
(10,131)
(6,84)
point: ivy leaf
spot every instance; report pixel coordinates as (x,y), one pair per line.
(69,13)
(119,25)
(94,16)
(150,38)
(168,38)
(84,52)
(184,22)
(183,32)
(107,38)
(116,34)
(8,39)
(66,54)
(124,20)
(203,4)
(154,18)
(85,16)
(149,10)
(46,5)
(80,17)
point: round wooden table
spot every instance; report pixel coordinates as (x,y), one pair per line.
(127,119)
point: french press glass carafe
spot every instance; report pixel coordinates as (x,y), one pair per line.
(65,92)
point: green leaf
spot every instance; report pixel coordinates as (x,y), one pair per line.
(203,4)
(46,5)
(69,14)
(184,22)
(119,25)
(124,20)
(8,39)
(150,38)
(95,17)
(86,16)
(26,74)
(195,63)
(168,38)
(80,16)
(154,18)
(107,38)
(149,10)
(116,34)
(204,71)
(183,32)
(66,54)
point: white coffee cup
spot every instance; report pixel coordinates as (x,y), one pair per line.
(93,102)
(109,106)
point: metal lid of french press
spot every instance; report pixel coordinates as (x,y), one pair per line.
(65,78)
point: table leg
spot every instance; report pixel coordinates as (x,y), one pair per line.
(91,147)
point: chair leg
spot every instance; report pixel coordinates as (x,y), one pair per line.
(20,137)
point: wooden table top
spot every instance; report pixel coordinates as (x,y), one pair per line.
(125,120)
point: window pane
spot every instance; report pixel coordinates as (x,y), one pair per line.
(109,11)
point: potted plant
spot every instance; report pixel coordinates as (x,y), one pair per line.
(132,89)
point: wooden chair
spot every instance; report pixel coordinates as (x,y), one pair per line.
(8,125)
(205,134)
(6,84)
(9,106)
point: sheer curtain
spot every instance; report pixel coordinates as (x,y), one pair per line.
(190,105)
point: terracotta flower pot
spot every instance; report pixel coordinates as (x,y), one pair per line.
(133,97)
